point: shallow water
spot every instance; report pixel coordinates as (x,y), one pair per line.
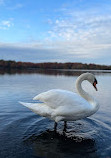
(25,134)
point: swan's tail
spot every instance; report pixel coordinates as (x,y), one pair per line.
(38,108)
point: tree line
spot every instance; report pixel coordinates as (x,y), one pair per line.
(51,65)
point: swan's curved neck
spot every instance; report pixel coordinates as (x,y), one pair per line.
(94,106)
(82,93)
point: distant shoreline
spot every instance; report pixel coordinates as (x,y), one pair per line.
(8,65)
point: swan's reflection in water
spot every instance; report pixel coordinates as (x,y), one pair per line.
(57,145)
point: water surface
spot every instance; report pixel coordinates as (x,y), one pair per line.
(25,134)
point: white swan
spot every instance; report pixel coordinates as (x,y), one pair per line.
(62,105)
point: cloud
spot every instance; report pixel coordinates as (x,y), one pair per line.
(6,24)
(25,52)
(80,29)
(74,35)
(85,33)
(37,52)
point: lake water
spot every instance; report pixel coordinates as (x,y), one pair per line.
(27,135)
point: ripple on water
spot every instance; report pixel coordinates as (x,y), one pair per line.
(81,138)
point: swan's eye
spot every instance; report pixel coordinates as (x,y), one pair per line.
(94,84)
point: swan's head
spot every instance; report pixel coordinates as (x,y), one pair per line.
(92,79)
(89,77)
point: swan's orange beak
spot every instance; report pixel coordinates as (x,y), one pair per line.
(94,84)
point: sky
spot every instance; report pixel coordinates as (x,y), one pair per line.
(56,31)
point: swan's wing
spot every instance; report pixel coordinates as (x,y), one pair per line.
(55,98)
(39,108)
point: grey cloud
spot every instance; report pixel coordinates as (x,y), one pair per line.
(50,55)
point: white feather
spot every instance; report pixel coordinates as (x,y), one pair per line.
(62,105)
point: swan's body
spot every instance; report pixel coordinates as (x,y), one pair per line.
(62,105)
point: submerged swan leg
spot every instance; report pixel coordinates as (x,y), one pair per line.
(55,126)
(65,126)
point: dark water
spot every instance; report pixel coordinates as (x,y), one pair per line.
(27,135)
